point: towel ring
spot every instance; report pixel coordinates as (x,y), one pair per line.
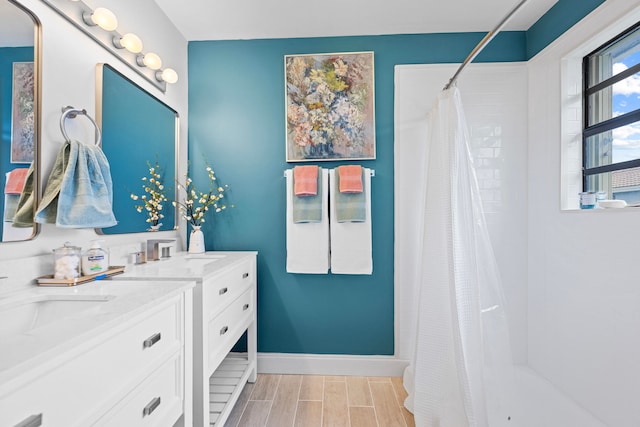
(72,113)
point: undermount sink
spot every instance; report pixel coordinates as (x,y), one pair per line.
(199,262)
(210,257)
(32,312)
(191,262)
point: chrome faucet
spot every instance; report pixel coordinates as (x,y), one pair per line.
(153,249)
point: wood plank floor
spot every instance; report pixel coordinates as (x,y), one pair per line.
(321,401)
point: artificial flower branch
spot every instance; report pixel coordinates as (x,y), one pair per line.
(154,196)
(197,203)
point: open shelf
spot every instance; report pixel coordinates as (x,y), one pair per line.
(226,384)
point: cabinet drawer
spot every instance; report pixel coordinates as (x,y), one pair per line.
(155,402)
(220,290)
(95,379)
(225,329)
(149,339)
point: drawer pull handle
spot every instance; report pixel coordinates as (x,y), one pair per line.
(149,342)
(245,275)
(223,291)
(245,307)
(32,421)
(151,406)
(224,330)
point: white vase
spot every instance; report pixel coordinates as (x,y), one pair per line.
(196,240)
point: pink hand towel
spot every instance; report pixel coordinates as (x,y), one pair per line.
(16,180)
(350,178)
(305,180)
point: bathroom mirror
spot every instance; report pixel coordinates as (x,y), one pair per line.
(137,129)
(19,118)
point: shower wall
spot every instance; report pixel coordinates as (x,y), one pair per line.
(495,104)
(583,288)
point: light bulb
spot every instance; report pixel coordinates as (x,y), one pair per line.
(129,41)
(150,60)
(102,17)
(168,75)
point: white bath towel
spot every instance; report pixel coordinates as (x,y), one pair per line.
(351,241)
(308,243)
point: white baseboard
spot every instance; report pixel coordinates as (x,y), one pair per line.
(330,364)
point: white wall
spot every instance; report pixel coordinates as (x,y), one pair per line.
(498,124)
(69,59)
(584,297)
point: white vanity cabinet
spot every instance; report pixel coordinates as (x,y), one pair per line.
(224,308)
(133,369)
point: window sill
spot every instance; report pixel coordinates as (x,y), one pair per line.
(625,209)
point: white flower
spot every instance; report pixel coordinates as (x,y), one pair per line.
(196,202)
(152,200)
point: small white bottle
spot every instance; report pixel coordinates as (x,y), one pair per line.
(95,260)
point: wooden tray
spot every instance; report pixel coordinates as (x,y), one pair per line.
(50,281)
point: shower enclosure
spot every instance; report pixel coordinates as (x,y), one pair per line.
(496,112)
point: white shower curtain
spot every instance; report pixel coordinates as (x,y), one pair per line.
(462,359)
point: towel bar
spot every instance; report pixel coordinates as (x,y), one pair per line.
(72,113)
(373,173)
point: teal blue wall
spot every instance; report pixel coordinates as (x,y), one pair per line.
(562,16)
(8,55)
(236,123)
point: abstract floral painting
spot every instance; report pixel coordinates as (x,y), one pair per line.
(22,114)
(330,107)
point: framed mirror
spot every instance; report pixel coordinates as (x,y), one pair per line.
(19,118)
(139,132)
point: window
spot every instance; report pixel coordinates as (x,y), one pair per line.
(611,132)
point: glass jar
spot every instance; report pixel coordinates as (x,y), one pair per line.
(587,200)
(66,262)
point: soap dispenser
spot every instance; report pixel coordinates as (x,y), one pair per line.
(95,260)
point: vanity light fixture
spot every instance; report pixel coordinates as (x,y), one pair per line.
(100,25)
(129,41)
(150,60)
(168,75)
(102,17)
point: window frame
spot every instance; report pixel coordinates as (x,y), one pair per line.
(608,124)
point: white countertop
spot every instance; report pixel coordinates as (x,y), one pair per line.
(185,266)
(24,352)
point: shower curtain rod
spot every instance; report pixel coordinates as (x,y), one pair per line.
(490,35)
